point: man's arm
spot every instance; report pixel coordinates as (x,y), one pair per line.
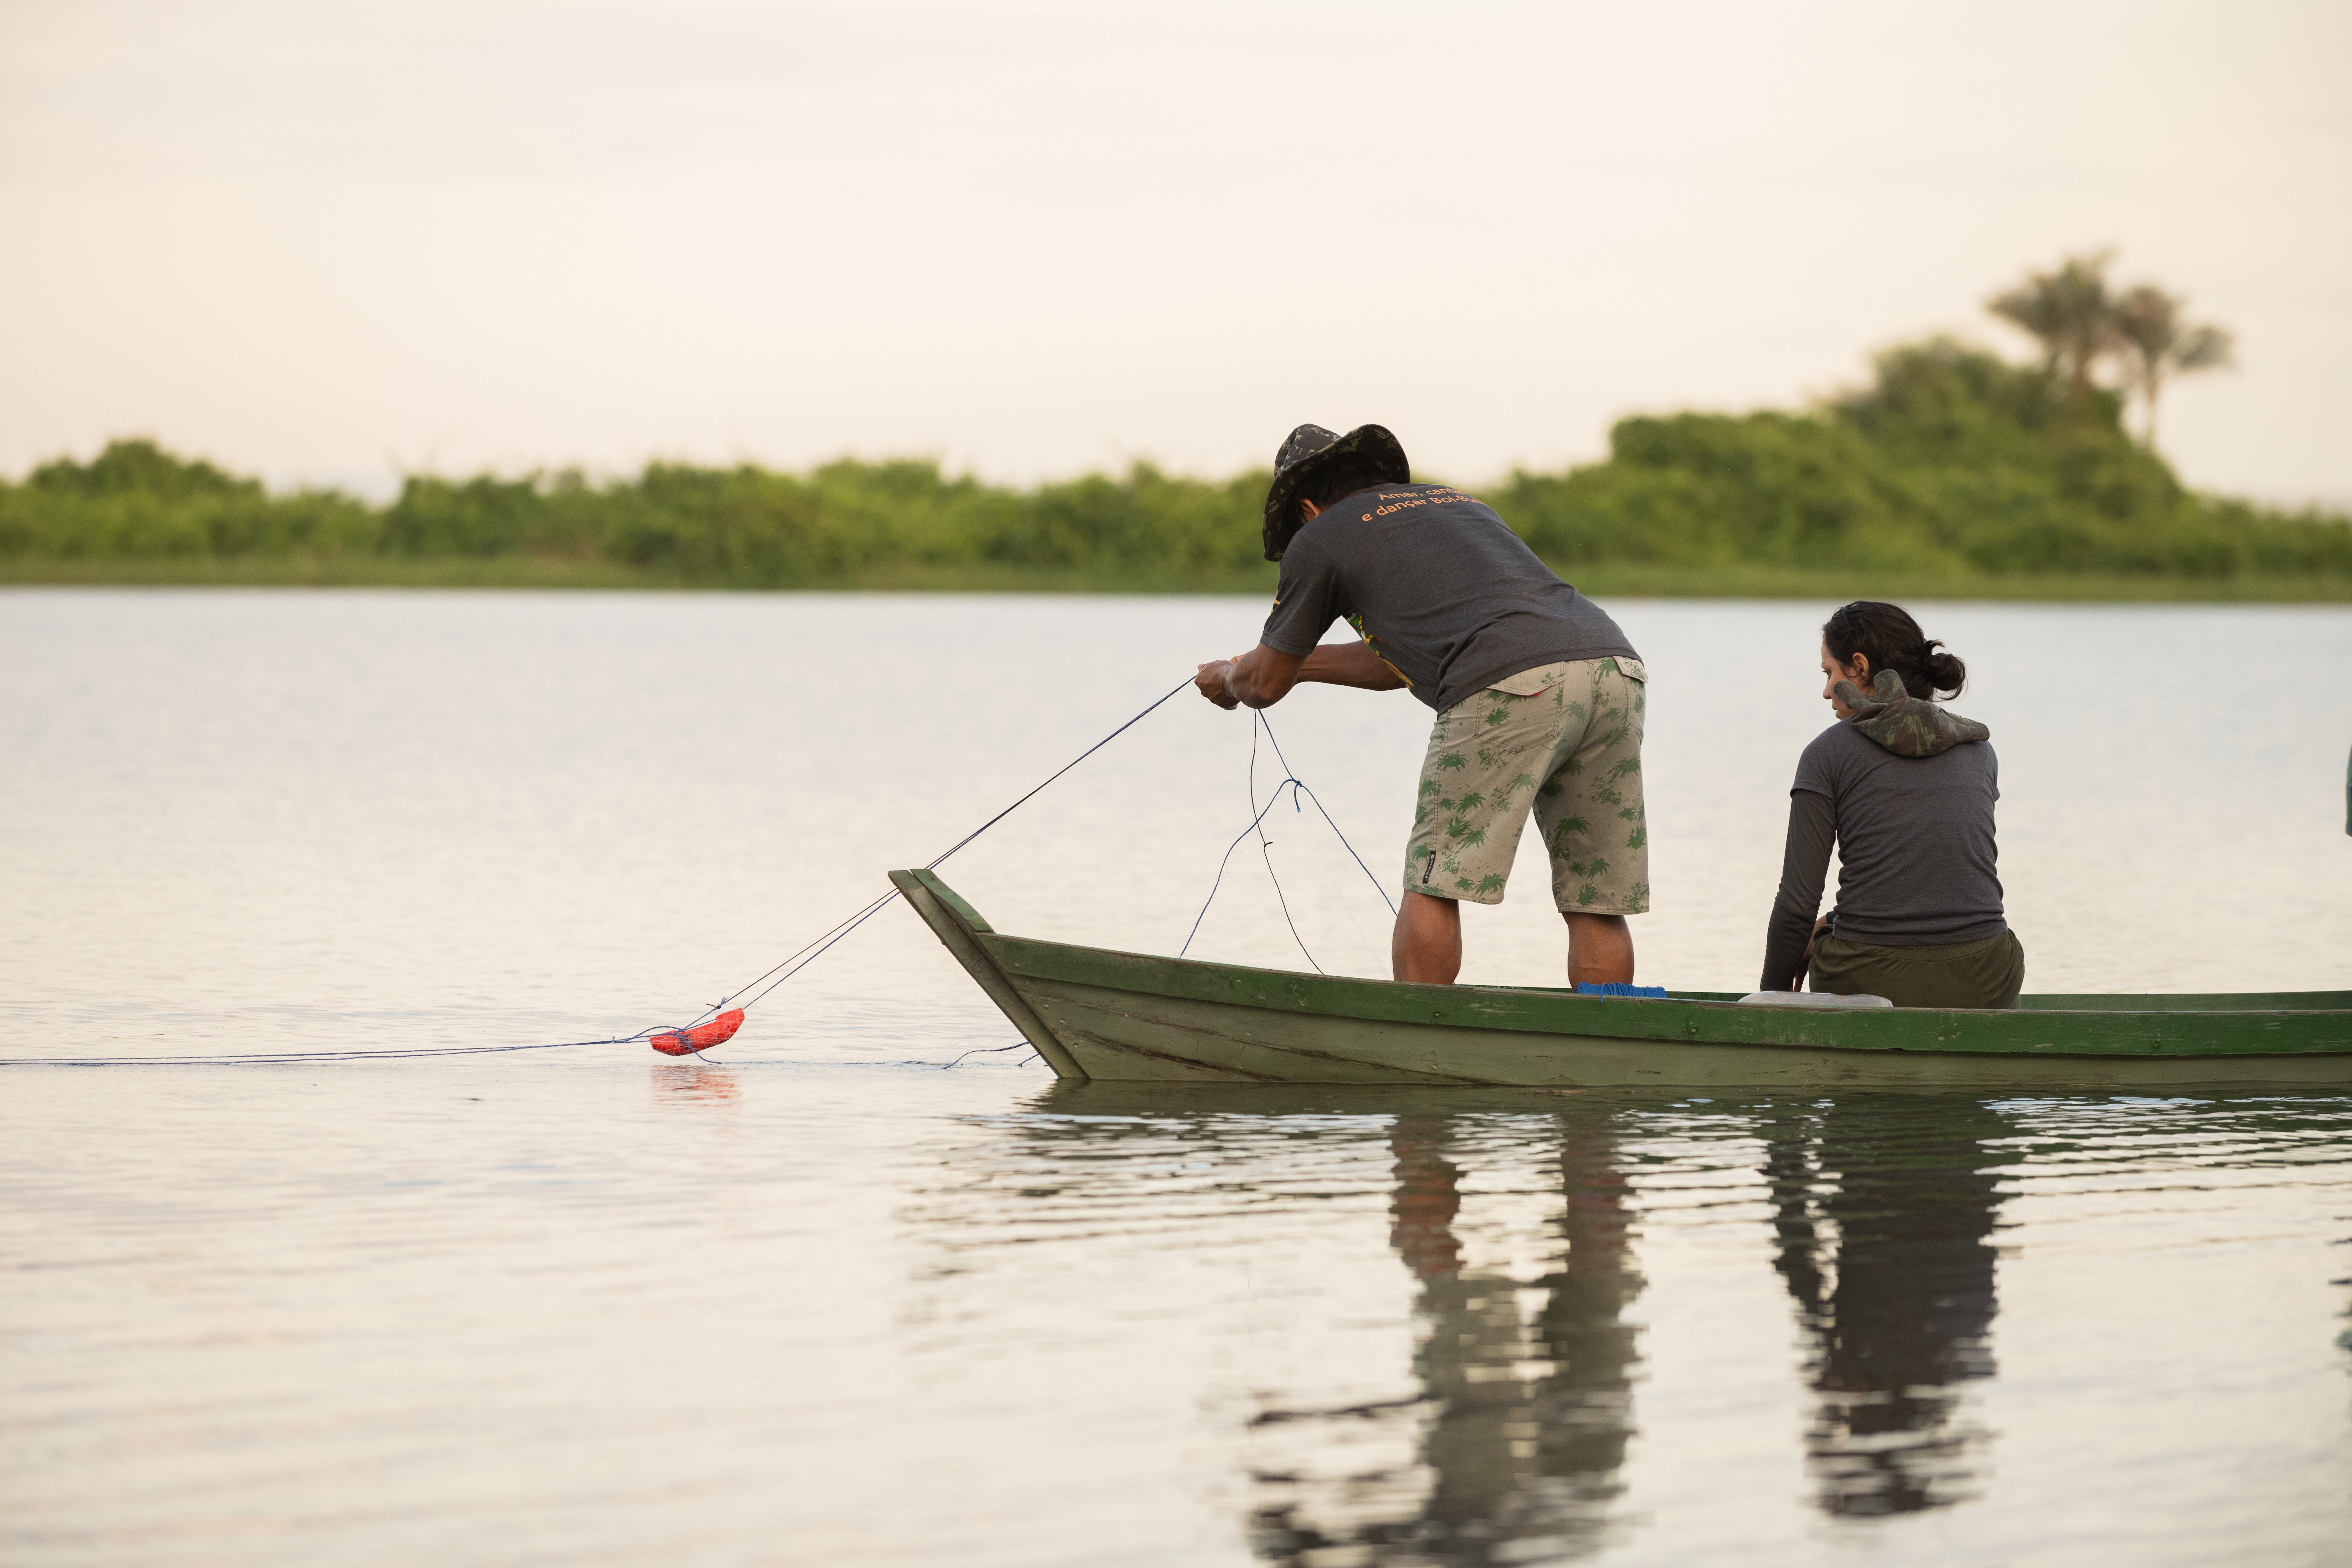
(1264,676)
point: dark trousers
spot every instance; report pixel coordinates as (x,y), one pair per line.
(1986,974)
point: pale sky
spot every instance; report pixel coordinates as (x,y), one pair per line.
(343,239)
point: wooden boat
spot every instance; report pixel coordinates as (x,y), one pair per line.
(1128,1016)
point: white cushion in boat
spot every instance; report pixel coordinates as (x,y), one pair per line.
(1813,999)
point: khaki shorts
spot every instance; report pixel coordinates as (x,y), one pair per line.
(1564,740)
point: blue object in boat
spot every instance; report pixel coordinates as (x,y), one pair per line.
(1619,988)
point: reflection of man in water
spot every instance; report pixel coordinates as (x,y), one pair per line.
(1527,1424)
(1906,1187)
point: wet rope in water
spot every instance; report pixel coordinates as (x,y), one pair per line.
(257,1059)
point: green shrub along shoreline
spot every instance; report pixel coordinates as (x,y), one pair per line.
(1953,473)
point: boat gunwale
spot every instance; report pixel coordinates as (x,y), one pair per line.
(1930,1031)
(1972,1032)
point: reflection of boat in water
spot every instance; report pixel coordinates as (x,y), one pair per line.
(1122,1016)
(1420,1315)
(1884,1210)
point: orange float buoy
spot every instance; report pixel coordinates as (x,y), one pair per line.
(701,1037)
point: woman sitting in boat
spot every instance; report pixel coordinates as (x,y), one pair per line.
(1905,791)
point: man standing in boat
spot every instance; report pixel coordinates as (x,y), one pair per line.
(1538,696)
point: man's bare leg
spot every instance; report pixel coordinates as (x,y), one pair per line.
(1427,946)
(1599,949)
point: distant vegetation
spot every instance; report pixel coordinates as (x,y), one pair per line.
(1952,471)
(1952,465)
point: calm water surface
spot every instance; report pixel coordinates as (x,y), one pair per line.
(826,1302)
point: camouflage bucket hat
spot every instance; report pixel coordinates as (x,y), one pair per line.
(1303,453)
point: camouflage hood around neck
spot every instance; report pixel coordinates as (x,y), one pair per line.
(1905,725)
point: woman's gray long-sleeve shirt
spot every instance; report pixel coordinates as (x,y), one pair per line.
(1914,833)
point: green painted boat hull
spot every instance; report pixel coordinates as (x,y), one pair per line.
(1132,1017)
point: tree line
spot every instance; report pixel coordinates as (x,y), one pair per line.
(1948,465)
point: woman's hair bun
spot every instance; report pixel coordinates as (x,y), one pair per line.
(1943,668)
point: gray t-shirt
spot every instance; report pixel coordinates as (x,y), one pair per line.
(1440,587)
(1915,838)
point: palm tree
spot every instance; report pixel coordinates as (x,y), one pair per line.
(2157,344)
(2069,311)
